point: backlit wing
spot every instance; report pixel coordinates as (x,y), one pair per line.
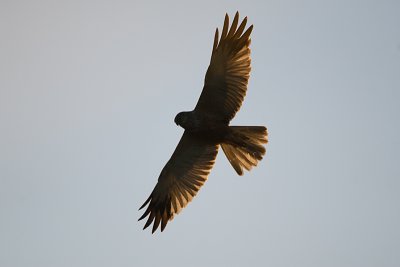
(229,71)
(180,180)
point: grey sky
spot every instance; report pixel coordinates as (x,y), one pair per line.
(88,94)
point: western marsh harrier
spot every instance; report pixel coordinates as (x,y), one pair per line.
(207,128)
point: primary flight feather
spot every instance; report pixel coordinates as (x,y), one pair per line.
(207,128)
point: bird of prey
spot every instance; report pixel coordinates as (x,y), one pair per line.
(207,127)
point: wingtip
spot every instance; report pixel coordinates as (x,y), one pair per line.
(237,15)
(142,217)
(155,226)
(146,202)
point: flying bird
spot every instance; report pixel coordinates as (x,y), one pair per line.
(207,127)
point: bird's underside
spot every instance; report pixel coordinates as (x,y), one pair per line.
(207,128)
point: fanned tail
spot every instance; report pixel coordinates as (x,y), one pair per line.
(244,146)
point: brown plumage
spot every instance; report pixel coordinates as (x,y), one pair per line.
(207,127)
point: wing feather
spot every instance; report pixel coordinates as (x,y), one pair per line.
(215,39)
(180,180)
(228,74)
(234,25)
(225,28)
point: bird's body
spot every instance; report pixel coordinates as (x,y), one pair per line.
(202,125)
(207,127)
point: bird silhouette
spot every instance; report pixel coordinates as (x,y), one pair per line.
(207,127)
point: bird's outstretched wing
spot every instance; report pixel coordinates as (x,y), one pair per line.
(180,180)
(227,76)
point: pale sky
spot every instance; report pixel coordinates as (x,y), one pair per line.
(88,94)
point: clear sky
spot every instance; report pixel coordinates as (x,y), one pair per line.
(88,94)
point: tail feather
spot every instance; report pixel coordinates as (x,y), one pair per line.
(244,146)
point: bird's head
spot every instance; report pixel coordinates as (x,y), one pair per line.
(181,119)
